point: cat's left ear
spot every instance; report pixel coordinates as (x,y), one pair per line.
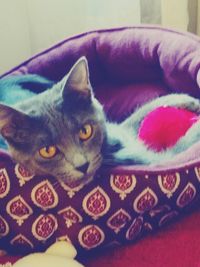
(15,126)
(77,82)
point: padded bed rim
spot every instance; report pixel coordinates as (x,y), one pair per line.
(143,27)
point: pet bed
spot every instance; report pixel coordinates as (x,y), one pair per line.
(128,66)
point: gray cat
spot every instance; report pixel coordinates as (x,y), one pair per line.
(59,131)
(63,130)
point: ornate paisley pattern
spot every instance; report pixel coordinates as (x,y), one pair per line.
(4,227)
(146,201)
(186,196)
(71,216)
(19,209)
(21,240)
(123,184)
(34,213)
(135,228)
(169,183)
(158,210)
(167,218)
(197,172)
(91,236)
(96,203)
(118,220)
(22,174)
(4,183)
(44,196)
(44,226)
(71,188)
(148,227)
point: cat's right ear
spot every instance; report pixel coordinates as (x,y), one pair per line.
(76,84)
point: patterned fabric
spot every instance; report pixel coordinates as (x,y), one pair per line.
(128,66)
(117,207)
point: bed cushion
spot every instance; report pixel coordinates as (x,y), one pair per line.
(128,66)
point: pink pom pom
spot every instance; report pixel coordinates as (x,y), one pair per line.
(163,127)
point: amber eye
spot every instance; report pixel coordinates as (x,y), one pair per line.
(85,132)
(48,152)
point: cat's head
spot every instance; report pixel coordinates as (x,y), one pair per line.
(59,131)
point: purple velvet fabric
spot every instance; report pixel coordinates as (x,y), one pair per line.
(141,61)
(128,67)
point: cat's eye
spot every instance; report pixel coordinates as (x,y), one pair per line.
(85,132)
(48,152)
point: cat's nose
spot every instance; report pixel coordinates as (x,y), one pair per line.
(83,168)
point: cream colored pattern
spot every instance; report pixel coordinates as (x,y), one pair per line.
(84,236)
(169,193)
(69,222)
(45,186)
(6,227)
(158,210)
(167,217)
(189,185)
(22,179)
(35,225)
(21,239)
(123,191)
(130,229)
(96,193)
(19,219)
(70,189)
(144,193)
(197,172)
(4,175)
(127,217)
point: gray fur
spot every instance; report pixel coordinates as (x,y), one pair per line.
(55,116)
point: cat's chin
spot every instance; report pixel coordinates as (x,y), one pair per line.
(84,180)
(76,177)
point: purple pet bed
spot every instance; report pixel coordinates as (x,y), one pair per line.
(128,67)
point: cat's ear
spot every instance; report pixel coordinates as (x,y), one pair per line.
(14,125)
(77,81)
